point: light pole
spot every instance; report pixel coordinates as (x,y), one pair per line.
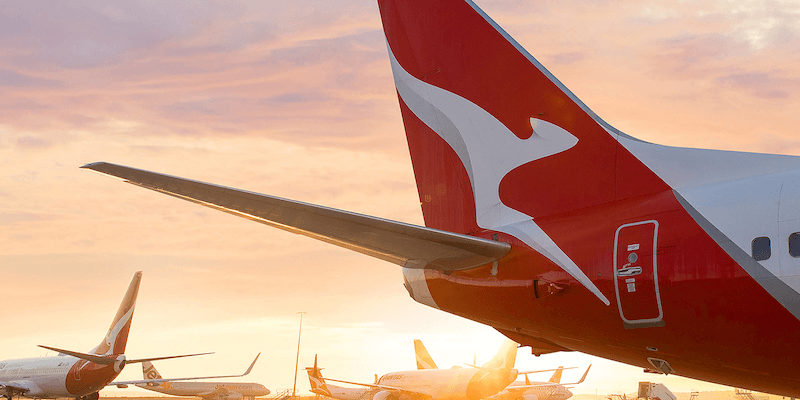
(297,360)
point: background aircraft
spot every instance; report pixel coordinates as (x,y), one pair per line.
(470,383)
(322,388)
(152,377)
(550,390)
(75,374)
(587,215)
(527,390)
(207,390)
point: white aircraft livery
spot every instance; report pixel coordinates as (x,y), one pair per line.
(207,390)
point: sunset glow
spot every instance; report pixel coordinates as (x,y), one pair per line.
(297,100)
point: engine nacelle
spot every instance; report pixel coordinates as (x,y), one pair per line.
(232,396)
(385,395)
(32,389)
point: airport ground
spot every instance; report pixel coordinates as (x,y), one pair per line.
(710,395)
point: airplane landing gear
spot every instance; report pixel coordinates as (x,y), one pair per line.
(92,396)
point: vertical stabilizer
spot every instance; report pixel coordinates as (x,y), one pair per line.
(317,382)
(556,378)
(117,335)
(149,371)
(424,359)
(505,358)
(494,138)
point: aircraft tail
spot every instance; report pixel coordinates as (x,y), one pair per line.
(484,120)
(424,359)
(556,378)
(505,358)
(149,371)
(117,335)
(317,382)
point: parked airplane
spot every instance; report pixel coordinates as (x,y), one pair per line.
(320,387)
(207,390)
(563,233)
(550,390)
(469,383)
(75,374)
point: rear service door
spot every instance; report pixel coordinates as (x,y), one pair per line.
(636,275)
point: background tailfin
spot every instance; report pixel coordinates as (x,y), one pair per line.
(505,358)
(117,335)
(149,371)
(556,378)
(316,381)
(424,359)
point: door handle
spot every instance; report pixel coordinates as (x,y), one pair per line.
(629,271)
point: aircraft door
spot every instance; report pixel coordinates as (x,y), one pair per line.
(636,275)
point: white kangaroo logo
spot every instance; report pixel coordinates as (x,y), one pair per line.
(489,151)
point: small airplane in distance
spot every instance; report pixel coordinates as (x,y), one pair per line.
(75,374)
(550,390)
(206,390)
(468,383)
(320,387)
(545,222)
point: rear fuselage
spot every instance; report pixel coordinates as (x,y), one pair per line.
(695,293)
(346,393)
(52,377)
(451,384)
(547,391)
(246,390)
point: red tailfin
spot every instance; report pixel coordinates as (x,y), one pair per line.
(117,335)
(485,121)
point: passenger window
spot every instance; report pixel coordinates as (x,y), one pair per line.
(794,244)
(762,249)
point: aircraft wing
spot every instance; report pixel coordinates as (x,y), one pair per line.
(403,244)
(219,390)
(542,384)
(11,389)
(161,380)
(542,370)
(108,360)
(384,387)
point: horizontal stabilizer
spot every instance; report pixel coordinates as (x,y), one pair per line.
(95,358)
(139,360)
(192,378)
(544,370)
(408,245)
(401,391)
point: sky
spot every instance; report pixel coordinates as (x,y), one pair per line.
(296,99)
